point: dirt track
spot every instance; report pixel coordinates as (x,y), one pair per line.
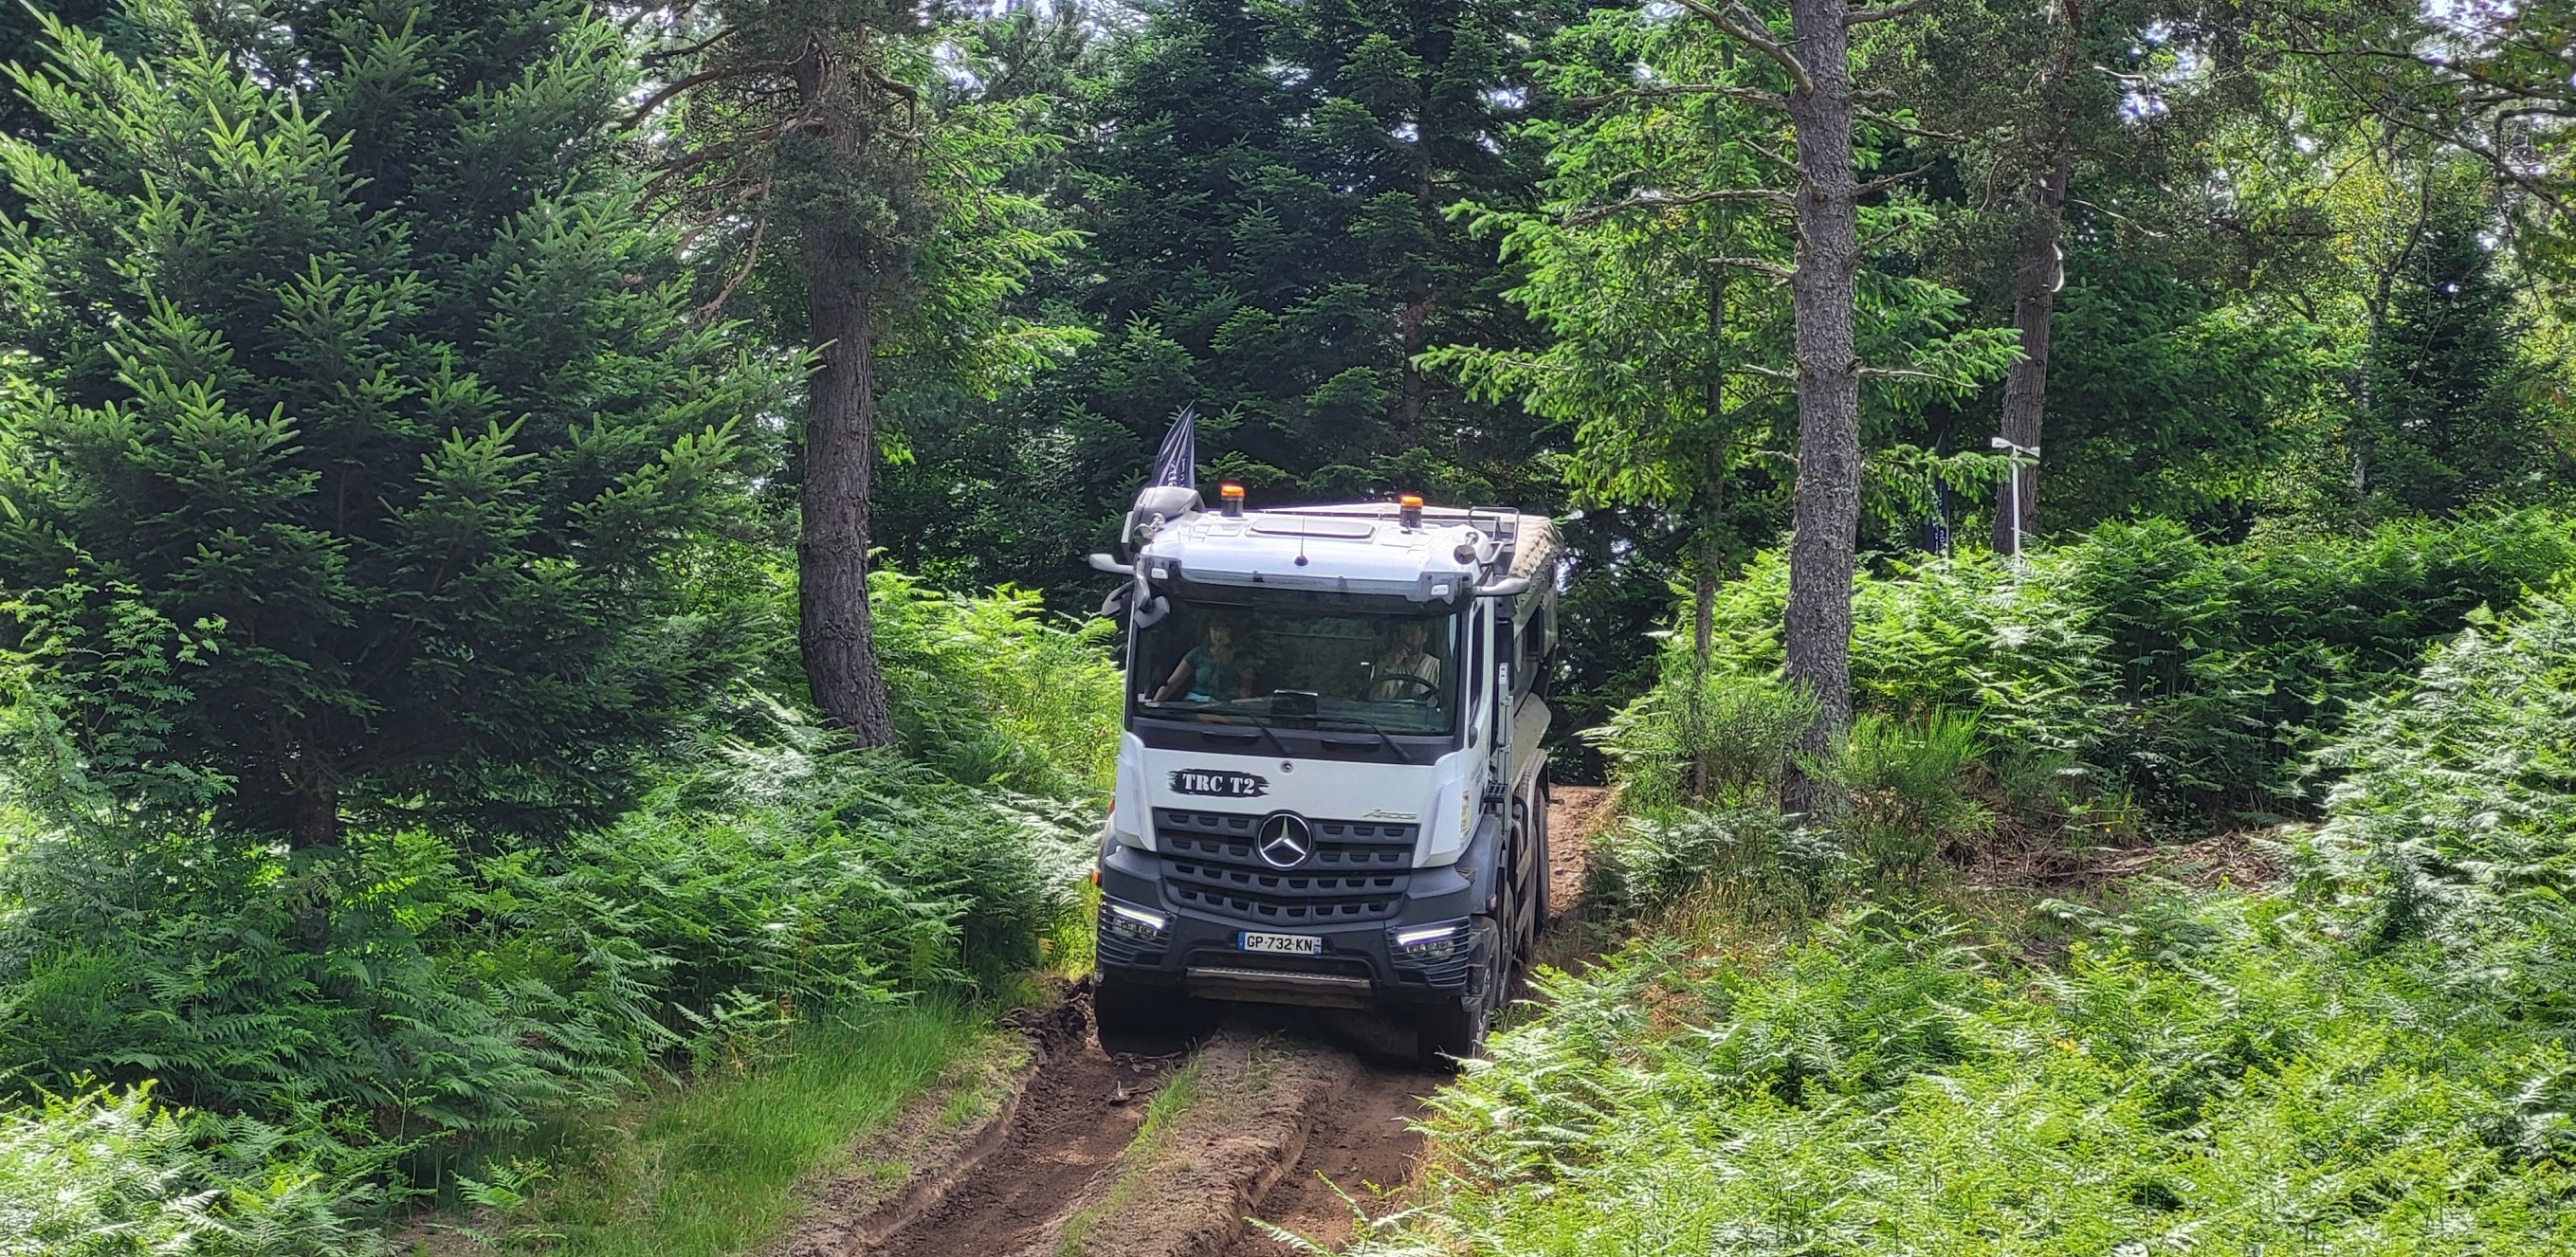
(1292,1110)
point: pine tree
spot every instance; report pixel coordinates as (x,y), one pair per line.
(2447,423)
(23,42)
(374,397)
(809,149)
(1653,264)
(1265,194)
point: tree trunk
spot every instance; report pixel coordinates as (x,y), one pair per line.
(832,539)
(2034,307)
(832,628)
(1703,613)
(2035,285)
(316,822)
(1825,523)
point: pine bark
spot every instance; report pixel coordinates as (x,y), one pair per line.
(2035,285)
(2034,310)
(316,822)
(1825,522)
(833,627)
(833,631)
(1712,512)
(1712,515)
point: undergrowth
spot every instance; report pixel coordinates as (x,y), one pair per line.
(2138,677)
(362,1022)
(710,1169)
(1811,1047)
(2214,1074)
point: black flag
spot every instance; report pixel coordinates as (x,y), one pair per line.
(1178,464)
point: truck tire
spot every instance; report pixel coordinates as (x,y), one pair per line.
(1454,1030)
(1531,916)
(1137,1011)
(1539,905)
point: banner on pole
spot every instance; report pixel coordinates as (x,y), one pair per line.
(1178,463)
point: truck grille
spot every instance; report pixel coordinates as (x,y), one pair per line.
(1358,871)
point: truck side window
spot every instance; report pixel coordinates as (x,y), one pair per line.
(1476,632)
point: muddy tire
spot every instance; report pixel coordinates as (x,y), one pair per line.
(1451,1032)
(1540,896)
(1534,905)
(1130,1010)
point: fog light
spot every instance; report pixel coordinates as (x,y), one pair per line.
(1134,924)
(1428,942)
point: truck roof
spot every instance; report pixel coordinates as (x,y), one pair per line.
(1358,548)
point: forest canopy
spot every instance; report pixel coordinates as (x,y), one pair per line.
(542,542)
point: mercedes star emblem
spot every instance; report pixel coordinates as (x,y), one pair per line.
(1284,841)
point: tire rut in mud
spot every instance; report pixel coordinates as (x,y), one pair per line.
(1363,1145)
(1077,1114)
(1062,1155)
(1364,1151)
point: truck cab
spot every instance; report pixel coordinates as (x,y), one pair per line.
(1330,787)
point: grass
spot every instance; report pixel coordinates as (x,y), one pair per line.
(710,1168)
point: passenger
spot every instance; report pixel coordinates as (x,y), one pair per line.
(1405,657)
(1213,669)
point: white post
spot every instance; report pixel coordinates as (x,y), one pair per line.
(2016,510)
(2013,494)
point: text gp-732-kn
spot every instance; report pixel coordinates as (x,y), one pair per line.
(1330,789)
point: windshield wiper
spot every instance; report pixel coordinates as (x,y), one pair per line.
(1391,744)
(1230,715)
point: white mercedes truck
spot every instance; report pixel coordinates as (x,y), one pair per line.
(1330,787)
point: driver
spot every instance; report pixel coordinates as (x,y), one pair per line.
(1211,670)
(1405,657)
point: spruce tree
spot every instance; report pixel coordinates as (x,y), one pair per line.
(366,416)
(2447,422)
(1264,192)
(808,145)
(1271,193)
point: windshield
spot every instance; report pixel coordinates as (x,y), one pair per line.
(1396,673)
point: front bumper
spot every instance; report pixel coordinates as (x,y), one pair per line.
(1360,966)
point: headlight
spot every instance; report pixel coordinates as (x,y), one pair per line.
(1141,926)
(1428,942)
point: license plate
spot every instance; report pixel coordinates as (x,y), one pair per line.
(1290,944)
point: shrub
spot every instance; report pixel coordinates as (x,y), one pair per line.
(105,1174)
(2211,1073)
(1651,862)
(1905,788)
(438,992)
(2233,659)
(988,691)
(371,1003)
(987,688)
(1906,795)
(2139,662)
(2454,809)
(1712,735)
